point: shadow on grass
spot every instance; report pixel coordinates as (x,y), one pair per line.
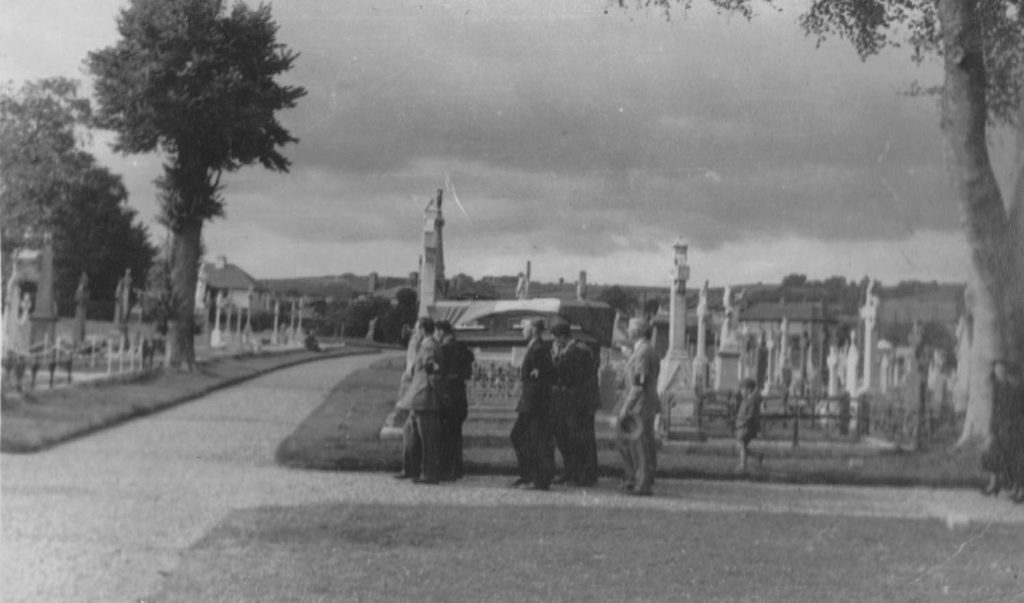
(343,433)
(462,552)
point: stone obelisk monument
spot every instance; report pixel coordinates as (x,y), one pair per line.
(432,268)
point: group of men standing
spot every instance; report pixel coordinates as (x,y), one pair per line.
(434,392)
(559,400)
(556,409)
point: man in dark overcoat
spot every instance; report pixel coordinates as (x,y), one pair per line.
(531,434)
(458,363)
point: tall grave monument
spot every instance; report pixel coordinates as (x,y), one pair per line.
(674,379)
(432,265)
(869,314)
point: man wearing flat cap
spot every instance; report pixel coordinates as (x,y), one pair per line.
(573,365)
(641,405)
(531,434)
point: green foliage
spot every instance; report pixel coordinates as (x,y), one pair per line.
(620,299)
(98,234)
(196,82)
(49,183)
(41,125)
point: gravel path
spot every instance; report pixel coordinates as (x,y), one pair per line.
(106,517)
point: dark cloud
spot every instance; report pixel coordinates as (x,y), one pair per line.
(595,134)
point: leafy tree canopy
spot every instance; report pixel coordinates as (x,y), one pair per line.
(196,82)
(49,183)
(41,126)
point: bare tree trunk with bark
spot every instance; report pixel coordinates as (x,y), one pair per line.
(986,222)
(184,274)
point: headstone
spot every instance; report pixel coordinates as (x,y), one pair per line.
(81,301)
(727,358)
(852,359)
(961,386)
(834,364)
(216,336)
(277,317)
(885,369)
(700,360)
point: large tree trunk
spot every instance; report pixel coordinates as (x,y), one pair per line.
(185,249)
(985,220)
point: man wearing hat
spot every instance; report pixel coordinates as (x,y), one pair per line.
(571,359)
(636,416)
(531,434)
(458,362)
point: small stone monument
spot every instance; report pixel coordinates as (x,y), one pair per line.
(371,330)
(852,360)
(277,317)
(701,366)
(834,364)
(727,358)
(216,336)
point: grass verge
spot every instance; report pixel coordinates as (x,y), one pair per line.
(41,419)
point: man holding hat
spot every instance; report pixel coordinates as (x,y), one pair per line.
(636,417)
(572,362)
(531,434)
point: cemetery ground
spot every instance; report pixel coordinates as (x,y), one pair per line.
(189,505)
(343,434)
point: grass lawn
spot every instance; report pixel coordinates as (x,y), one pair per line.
(43,418)
(343,435)
(428,552)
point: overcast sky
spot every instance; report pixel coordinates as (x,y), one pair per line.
(576,137)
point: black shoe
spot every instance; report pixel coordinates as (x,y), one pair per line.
(522,481)
(539,487)
(402,476)
(627,487)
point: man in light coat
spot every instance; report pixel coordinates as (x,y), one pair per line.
(421,437)
(635,418)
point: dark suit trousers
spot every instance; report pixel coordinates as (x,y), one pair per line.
(567,431)
(588,448)
(534,448)
(451,442)
(421,442)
